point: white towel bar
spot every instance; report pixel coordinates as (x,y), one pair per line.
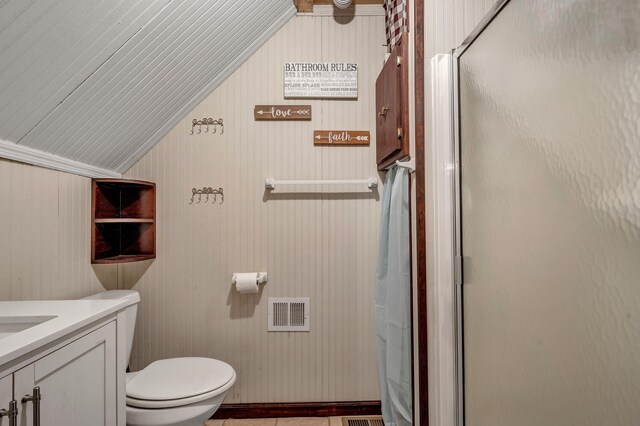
(371,182)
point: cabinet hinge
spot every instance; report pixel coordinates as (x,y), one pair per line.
(398,61)
(399,132)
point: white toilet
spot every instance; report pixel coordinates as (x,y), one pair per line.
(171,392)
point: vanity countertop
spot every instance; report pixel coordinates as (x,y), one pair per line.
(44,321)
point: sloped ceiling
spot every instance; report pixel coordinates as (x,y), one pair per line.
(100,82)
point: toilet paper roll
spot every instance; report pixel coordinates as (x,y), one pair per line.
(247,282)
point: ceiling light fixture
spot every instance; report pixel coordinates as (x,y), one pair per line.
(342,4)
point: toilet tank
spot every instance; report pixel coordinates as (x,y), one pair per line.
(133,298)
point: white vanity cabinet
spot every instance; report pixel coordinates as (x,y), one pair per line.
(76,378)
(6,395)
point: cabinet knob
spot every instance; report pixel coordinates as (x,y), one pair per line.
(383,112)
(11,413)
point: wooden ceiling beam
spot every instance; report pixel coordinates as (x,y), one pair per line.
(306,6)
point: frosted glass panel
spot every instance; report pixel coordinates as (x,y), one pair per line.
(550,195)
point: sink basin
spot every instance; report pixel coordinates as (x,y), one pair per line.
(12,325)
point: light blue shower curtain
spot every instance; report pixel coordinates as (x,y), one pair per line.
(392,302)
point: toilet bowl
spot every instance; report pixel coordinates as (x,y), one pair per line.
(177,391)
(171,392)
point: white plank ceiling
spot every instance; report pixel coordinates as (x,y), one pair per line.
(101,82)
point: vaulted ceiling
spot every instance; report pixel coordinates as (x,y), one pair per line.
(99,83)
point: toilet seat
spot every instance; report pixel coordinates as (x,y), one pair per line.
(179,381)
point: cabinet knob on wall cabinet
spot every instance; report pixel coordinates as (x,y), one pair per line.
(36,404)
(11,413)
(384,111)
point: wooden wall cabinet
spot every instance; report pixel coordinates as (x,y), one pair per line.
(123,225)
(392,107)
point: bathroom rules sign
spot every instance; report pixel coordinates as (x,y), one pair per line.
(321,80)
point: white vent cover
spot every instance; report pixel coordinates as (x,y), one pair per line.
(288,314)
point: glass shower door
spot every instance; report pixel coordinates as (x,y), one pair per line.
(549,104)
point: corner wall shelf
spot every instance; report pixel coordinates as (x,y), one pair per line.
(123,227)
(123,259)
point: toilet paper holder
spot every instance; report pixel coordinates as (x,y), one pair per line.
(261,278)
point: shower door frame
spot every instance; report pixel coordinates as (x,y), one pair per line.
(457,204)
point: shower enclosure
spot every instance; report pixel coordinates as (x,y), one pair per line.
(548,215)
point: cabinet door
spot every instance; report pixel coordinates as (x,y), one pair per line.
(77,383)
(6,395)
(392,106)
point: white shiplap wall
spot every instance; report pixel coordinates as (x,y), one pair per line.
(45,235)
(317,244)
(101,82)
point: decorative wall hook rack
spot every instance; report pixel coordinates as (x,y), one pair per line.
(207,191)
(206,122)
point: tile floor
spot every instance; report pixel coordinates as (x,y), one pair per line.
(292,421)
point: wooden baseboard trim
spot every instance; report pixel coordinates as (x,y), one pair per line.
(298,409)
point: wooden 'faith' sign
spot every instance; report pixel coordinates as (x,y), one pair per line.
(340,137)
(282,112)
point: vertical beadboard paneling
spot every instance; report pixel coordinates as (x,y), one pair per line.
(320,243)
(45,234)
(6,243)
(34,202)
(77,276)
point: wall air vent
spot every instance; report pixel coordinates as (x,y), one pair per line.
(288,314)
(363,421)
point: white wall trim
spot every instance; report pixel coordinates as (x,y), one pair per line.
(23,154)
(442,331)
(360,10)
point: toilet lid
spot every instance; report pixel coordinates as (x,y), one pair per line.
(178,378)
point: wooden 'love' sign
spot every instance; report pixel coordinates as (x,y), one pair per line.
(341,137)
(282,112)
